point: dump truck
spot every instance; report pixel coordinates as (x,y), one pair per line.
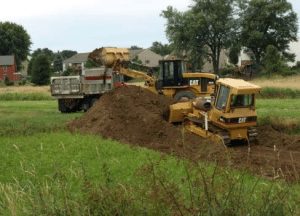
(173,80)
(75,93)
(229,116)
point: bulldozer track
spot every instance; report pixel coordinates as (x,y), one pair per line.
(218,132)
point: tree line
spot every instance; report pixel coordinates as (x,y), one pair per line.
(264,28)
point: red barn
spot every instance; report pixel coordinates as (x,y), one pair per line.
(8,68)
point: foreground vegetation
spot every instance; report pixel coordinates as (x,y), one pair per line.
(46,170)
(67,174)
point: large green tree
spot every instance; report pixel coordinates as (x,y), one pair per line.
(40,70)
(45,51)
(14,40)
(68,53)
(273,61)
(161,49)
(268,22)
(204,30)
(40,51)
(55,58)
(59,57)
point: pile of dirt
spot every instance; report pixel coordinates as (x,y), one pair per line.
(135,116)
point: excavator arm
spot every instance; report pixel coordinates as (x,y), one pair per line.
(118,59)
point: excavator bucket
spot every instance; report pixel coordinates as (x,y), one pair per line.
(108,56)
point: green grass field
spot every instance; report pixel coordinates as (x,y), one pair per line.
(29,117)
(46,170)
(283,108)
(282,113)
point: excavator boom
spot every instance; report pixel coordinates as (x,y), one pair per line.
(118,59)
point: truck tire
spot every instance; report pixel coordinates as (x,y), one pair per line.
(183,95)
(85,106)
(93,101)
(62,106)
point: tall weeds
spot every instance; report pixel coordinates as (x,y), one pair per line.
(200,192)
(25,96)
(273,92)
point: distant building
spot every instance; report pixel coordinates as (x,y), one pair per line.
(146,56)
(295,48)
(76,62)
(24,67)
(8,68)
(208,65)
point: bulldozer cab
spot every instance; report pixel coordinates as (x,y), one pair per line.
(234,103)
(233,94)
(170,73)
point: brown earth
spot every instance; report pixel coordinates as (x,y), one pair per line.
(134,115)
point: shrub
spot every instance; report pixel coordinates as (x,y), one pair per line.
(228,71)
(7,82)
(40,70)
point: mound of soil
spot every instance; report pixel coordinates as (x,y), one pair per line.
(135,116)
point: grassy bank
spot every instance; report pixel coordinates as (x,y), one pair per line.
(71,174)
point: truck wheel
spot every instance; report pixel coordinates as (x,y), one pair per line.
(184,95)
(62,106)
(93,101)
(85,106)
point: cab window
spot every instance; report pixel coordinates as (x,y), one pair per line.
(169,70)
(245,100)
(222,97)
(160,73)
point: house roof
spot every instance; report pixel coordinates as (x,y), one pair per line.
(134,52)
(148,57)
(78,58)
(7,60)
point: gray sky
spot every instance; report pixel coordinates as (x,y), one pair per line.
(84,25)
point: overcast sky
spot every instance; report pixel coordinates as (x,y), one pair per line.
(84,25)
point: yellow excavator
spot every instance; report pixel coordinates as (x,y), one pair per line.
(229,117)
(220,109)
(173,80)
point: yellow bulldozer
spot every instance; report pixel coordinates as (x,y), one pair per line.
(173,80)
(229,116)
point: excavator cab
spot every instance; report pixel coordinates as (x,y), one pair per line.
(170,73)
(174,81)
